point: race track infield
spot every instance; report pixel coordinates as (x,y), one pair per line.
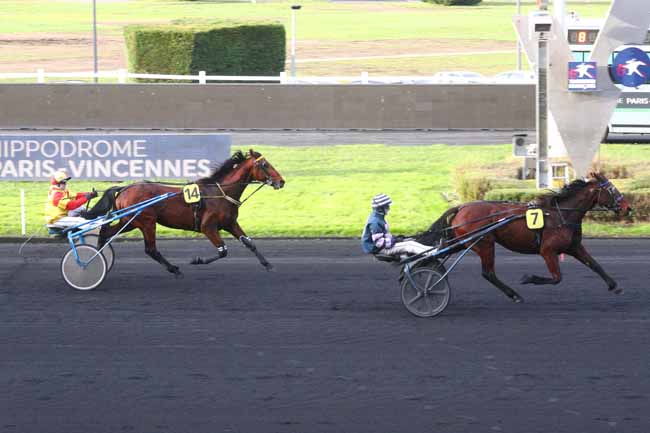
(321,345)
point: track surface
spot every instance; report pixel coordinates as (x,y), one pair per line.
(321,345)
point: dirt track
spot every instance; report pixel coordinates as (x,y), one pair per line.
(321,345)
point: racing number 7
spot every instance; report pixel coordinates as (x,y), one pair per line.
(534,219)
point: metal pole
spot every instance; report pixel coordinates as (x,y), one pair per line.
(559,11)
(542,111)
(293,43)
(23,220)
(95,68)
(518,42)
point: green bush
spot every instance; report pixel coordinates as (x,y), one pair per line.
(642,183)
(216,48)
(454,2)
(472,187)
(512,194)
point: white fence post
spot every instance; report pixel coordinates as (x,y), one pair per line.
(40,75)
(283,77)
(202,77)
(364,77)
(23,221)
(121,76)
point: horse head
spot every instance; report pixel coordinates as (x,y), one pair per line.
(608,196)
(261,170)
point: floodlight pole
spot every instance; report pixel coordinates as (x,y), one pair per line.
(95,68)
(294,8)
(518,42)
(542,111)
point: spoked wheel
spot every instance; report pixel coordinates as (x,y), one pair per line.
(87,274)
(426,298)
(107,252)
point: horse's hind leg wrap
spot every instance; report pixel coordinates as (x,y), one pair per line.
(507,290)
(222,252)
(155,254)
(248,242)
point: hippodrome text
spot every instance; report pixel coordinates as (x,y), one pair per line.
(112,157)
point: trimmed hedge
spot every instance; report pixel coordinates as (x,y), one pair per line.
(512,194)
(476,187)
(639,200)
(216,48)
(454,2)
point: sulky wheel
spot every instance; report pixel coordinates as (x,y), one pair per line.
(107,252)
(426,298)
(87,274)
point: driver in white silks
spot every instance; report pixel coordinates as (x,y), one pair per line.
(377,239)
(62,207)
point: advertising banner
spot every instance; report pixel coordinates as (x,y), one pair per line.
(582,76)
(111,156)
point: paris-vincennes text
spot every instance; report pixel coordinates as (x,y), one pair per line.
(94,159)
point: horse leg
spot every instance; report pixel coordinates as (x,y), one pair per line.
(485,251)
(108,231)
(148,229)
(222,251)
(553,264)
(237,232)
(581,254)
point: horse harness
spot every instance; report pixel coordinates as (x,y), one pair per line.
(198,206)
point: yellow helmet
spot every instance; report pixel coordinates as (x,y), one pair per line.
(60,176)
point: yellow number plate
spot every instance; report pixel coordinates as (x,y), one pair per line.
(191,193)
(535,219)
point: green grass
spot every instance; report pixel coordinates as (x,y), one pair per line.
(329,189)
(317,20)
(487,64)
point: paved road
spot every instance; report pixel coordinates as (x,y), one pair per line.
(321,345)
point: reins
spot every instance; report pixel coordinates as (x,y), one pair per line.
(226,197)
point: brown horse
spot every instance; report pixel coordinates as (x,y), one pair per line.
(217,210)
(562,231)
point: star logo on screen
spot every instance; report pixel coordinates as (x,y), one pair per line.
(583,71)
(631,67)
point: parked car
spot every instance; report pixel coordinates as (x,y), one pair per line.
(460,77)
(514,77)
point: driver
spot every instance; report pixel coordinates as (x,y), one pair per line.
(376,239)
(62,207)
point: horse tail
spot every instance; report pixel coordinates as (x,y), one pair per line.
(105,204)
(440,230)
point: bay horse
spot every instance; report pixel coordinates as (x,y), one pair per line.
(220,193)
(562,231)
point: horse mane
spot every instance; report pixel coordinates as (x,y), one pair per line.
(567,191)
(222,170)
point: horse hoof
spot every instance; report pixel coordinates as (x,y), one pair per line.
(617,290)
(196,261)
(179,275)
(517,299)
(269,267)
(525,279)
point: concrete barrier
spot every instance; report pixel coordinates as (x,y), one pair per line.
(266,106)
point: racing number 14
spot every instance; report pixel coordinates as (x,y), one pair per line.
(191,193)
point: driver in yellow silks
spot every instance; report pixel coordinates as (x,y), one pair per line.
(62,207)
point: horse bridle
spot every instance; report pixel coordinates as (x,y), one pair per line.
(614,194)
(261,163)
